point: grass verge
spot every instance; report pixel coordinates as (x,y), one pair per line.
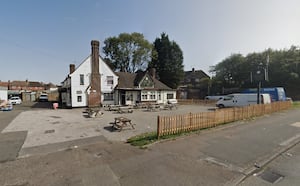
(143,139)
(296,104)
(151,137)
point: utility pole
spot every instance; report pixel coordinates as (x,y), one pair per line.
(267,68)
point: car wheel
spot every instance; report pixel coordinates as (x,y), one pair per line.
(221,106)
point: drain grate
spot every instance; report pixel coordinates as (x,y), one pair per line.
(49,131)
(271,176)
(55,117)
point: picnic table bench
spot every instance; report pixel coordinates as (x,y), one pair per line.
(170,106)
(153,107)
(93,112)
(123,110)
(121,122)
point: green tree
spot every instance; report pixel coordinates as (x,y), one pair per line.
(230,71)
(279,68)
(168,61)
(128,52)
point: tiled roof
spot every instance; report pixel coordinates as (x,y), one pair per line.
(131,81)
(3,84)
(26,84)
(35,84)
(126,80)
(18,83)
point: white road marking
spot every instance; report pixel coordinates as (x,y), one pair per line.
(224,164)
(290,140)
(297,124)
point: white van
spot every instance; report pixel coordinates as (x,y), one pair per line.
(240,100)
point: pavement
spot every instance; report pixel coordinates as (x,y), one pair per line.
(41,125)
(247,152)
(282,170)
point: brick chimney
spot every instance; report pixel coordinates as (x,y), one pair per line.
(72,68)
(95,91)
(152,72)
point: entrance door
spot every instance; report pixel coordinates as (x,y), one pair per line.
(123,97)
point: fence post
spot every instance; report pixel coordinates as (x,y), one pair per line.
(190,115)
(158,127)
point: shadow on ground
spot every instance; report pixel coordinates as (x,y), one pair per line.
(42,105)
(110,128)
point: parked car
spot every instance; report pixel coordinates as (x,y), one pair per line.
(16,100)
(6,107)
(43,98)
(240,100)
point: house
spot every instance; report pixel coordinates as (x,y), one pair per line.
(194,85)
(25,86)
(93,84)
(27,90)
(3,90)
(142,87)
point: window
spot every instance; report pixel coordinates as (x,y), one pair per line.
(109,80)
(159,96)
(129,97)
(108,96)
(81,79)
(79,99)
(230,97)
(152,95)
(144,96)
(170,96)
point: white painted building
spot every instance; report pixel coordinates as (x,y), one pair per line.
(77,85)
(3,93)
(81,88)
(142,87)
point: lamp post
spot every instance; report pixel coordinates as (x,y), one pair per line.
(261,75)
(258,72)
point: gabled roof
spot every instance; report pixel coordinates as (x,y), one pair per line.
(132,80)
(195,73)
(90,56)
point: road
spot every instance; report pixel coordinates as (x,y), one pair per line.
(241,153)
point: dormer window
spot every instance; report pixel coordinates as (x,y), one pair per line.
(147,82)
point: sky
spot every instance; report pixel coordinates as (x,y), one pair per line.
(40,38)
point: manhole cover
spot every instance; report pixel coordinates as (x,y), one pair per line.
(271,176)
(49,131)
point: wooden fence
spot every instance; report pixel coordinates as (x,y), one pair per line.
(167,125)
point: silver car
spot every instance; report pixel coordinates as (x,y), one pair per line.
(15,100)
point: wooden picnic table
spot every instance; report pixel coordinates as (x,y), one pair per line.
(94,112)
(153,107)
(121,122)
(123,110)
(170,106)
